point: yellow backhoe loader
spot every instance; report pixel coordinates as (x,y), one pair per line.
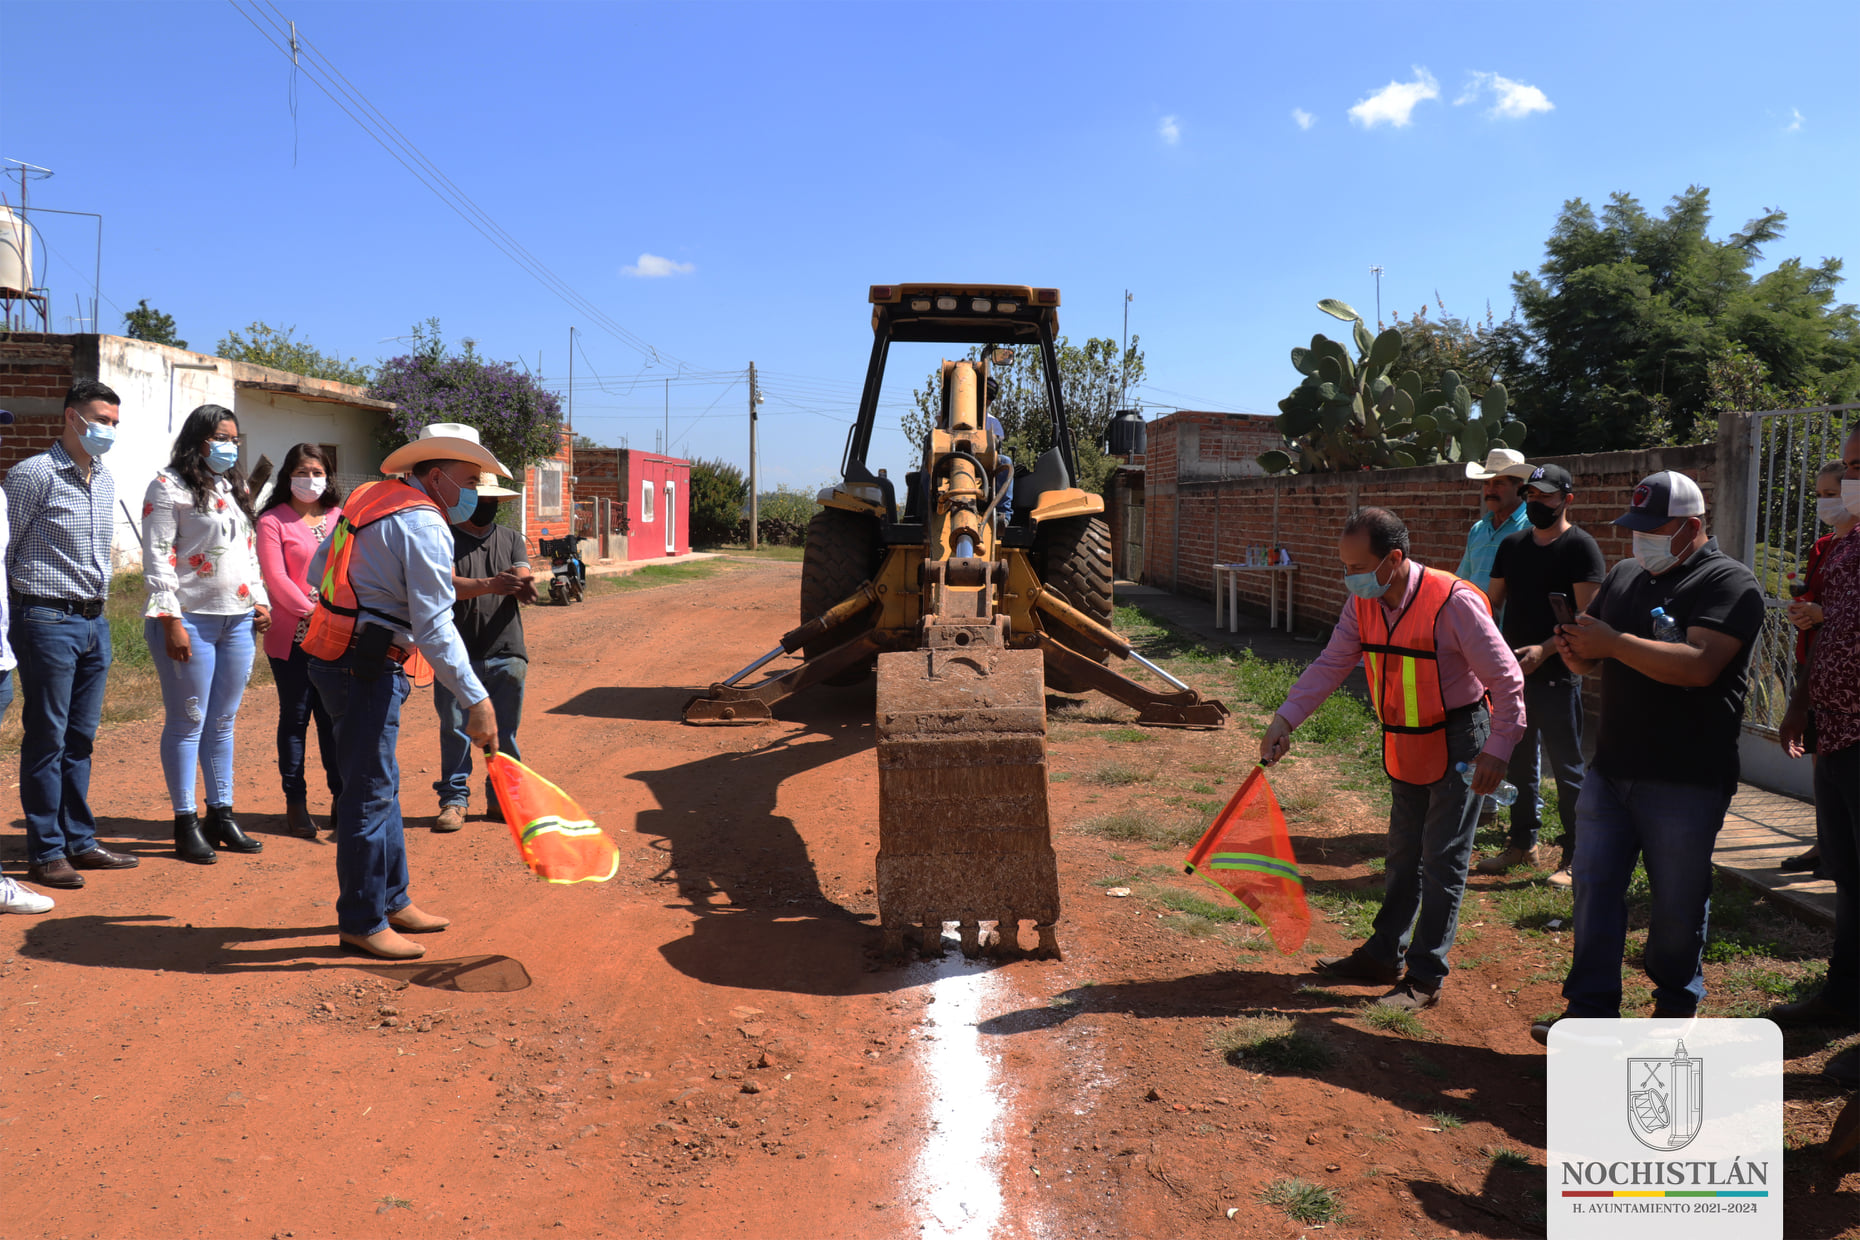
(969,615)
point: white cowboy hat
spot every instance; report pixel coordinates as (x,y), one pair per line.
(1500,463)
(443,441)
(488,488)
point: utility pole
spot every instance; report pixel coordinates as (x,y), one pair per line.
(1377,273)
(666,442)
(753,531)
(571,382)
(1123,358)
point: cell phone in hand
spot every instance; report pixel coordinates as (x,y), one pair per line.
(1560,608)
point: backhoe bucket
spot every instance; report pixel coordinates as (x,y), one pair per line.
(964,834)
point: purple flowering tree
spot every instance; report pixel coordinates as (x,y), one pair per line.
(517,420)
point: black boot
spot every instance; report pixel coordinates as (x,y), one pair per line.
(223,831)
(297,820)
(189,843)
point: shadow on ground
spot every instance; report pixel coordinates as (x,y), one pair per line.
(153,941)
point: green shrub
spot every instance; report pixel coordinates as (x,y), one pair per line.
(718,491)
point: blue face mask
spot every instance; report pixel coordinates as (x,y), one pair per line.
(97,437)
(222,456)
(1365,585)
(459,510)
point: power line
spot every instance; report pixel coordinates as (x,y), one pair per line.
(317,67)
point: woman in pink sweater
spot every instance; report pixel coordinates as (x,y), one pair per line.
(300,513)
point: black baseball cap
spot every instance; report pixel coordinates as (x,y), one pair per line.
(1551,479)
(1661,497)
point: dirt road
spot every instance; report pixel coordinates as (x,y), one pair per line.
(704,1046)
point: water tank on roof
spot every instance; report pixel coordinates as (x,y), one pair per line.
(15,253)
(1127,435)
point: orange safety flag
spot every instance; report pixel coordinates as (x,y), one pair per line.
(558,840)
(1248,852)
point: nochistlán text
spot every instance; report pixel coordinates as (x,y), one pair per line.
(1690,1173)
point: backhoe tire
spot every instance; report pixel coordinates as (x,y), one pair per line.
(842,553)
(1073,557)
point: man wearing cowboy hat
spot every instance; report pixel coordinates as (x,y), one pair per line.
(1502,480)
(491,573)
(384,600)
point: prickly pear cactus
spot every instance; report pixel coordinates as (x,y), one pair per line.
(1348,414)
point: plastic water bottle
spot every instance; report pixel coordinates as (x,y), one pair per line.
(1665,628)
(1504,794)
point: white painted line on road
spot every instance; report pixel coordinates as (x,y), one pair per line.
(959,1168)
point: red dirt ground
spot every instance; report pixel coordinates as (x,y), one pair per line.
(706,1046)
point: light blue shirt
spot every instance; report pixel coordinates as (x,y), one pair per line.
(402,565)
(1482,546)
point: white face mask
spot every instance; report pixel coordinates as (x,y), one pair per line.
(1654,551)
(1830,508)
(307,489)
(1850,495)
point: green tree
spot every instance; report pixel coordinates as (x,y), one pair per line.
(1614,339)
(265,345)
(1432,346)
(1091,379)
(145,322)
(718,492)
(583,443)
(518,420)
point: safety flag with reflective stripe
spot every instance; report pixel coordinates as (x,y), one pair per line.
(1248,852)
(555,837)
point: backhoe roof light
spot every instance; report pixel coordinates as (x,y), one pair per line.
(981,305)
(946,303)
(1046,296)
(1006,307)
(884,293)
(920,304)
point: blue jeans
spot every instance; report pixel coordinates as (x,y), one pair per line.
(63,663)
(200,702)
(1431,829)
(6,692)
(298,704)
(371,851)
(1672,827)
(503,680)
(1552,721)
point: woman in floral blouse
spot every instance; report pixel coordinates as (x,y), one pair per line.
(205,599)
(302,509)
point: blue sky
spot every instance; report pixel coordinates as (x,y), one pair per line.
(772,160)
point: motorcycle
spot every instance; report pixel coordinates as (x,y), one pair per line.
(567,574)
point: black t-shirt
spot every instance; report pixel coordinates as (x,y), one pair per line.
(1659,731)
(490,624)
(1532,572)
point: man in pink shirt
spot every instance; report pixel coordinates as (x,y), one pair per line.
(1431,682)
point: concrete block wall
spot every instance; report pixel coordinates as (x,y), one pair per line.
(1193,524)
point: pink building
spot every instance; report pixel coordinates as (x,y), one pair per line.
(651,495)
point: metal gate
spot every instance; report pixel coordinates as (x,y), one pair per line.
(1785,449)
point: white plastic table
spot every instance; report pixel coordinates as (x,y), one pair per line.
(1232,592)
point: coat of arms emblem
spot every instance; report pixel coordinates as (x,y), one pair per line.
(1666,1099)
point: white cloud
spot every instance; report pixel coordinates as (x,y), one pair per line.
(651,267)
(1305,119)
(1795,121)
(1169,131)
(1394,104)
(1509,99)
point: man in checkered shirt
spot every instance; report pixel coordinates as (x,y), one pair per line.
(61,505)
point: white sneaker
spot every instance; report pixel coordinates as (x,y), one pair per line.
(1562,878)
(17,899)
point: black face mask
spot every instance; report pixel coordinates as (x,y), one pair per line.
(485,513)
(1541,515)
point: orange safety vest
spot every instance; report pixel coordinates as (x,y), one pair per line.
(333,623)
(1403,667)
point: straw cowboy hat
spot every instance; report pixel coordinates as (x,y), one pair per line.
(1500,463)
(488,488)
(443,441)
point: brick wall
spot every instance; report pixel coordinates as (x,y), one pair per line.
(557,523)
(1191,523)
(35,371)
